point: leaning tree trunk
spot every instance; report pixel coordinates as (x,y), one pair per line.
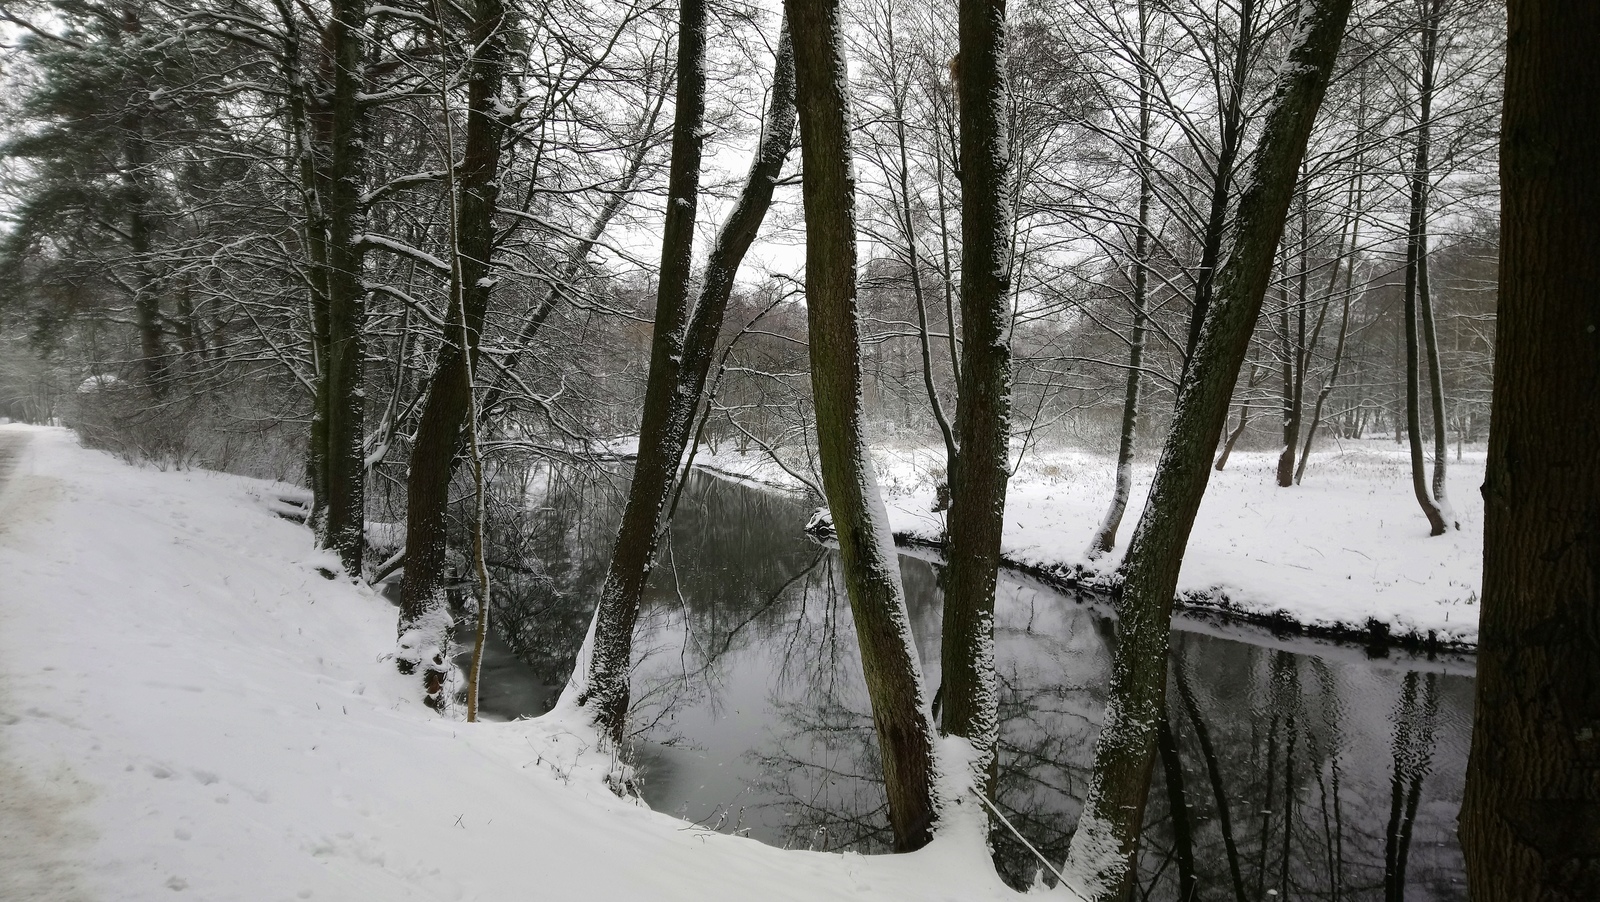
(424,624)
(871,565)
(666,426)
(1103,848)
(345,412)
(970,692)
(600,677)
(1417,282)
(1105,538)
(1532,802)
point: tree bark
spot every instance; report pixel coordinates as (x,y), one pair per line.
(1530,818)
(423,624)
(1103,848)
(871,565)
(343,529)
(970,691)
(677,380)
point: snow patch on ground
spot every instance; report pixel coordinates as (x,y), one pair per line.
(190,710)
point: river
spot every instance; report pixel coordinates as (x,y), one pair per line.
(1295,768)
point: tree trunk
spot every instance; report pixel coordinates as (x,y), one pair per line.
(1417,280)
(1103,848)
(303,128)
(1244,420)
(344,526)
(1357,195)
(970,693)
(871,565)
(1297,356)
(424,624)
(677,380)
(135,180)
(1105,538)
(1532,802)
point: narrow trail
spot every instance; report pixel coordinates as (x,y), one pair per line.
(40,840)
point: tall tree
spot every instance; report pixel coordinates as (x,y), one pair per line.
(1105,537)
(448,403)
(686,339)
(1103,848)
(900,715)
(1416,292)
(970,689)
(1532,804)
(343,119)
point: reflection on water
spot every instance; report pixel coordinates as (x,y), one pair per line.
(1298,769)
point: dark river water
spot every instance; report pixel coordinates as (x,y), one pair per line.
(1295,768)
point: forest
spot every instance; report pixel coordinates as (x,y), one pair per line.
(1047,419)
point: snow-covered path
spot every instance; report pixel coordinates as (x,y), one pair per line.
(42,834)
(191,711)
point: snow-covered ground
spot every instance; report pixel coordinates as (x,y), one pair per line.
(189,710)
(1347,548)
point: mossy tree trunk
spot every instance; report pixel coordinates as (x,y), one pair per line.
(970,690)
(871,565)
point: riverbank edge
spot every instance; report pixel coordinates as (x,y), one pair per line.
(1374,635)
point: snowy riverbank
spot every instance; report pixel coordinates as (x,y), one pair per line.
(189,710)
(1347,553)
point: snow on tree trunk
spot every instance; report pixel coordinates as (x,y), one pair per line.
(1101,856)
(448,404)
(871,565)
(677,381)
(345,404)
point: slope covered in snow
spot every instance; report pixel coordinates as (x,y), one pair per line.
(188,709)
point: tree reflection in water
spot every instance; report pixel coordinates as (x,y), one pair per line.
(1297,770)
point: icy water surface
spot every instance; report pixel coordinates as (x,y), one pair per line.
(1296,769)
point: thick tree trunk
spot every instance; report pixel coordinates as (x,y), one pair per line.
(344,526)
(1532,804)
(677,380)
(970,689)
(424,624)
(1104,846)
(871,565)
